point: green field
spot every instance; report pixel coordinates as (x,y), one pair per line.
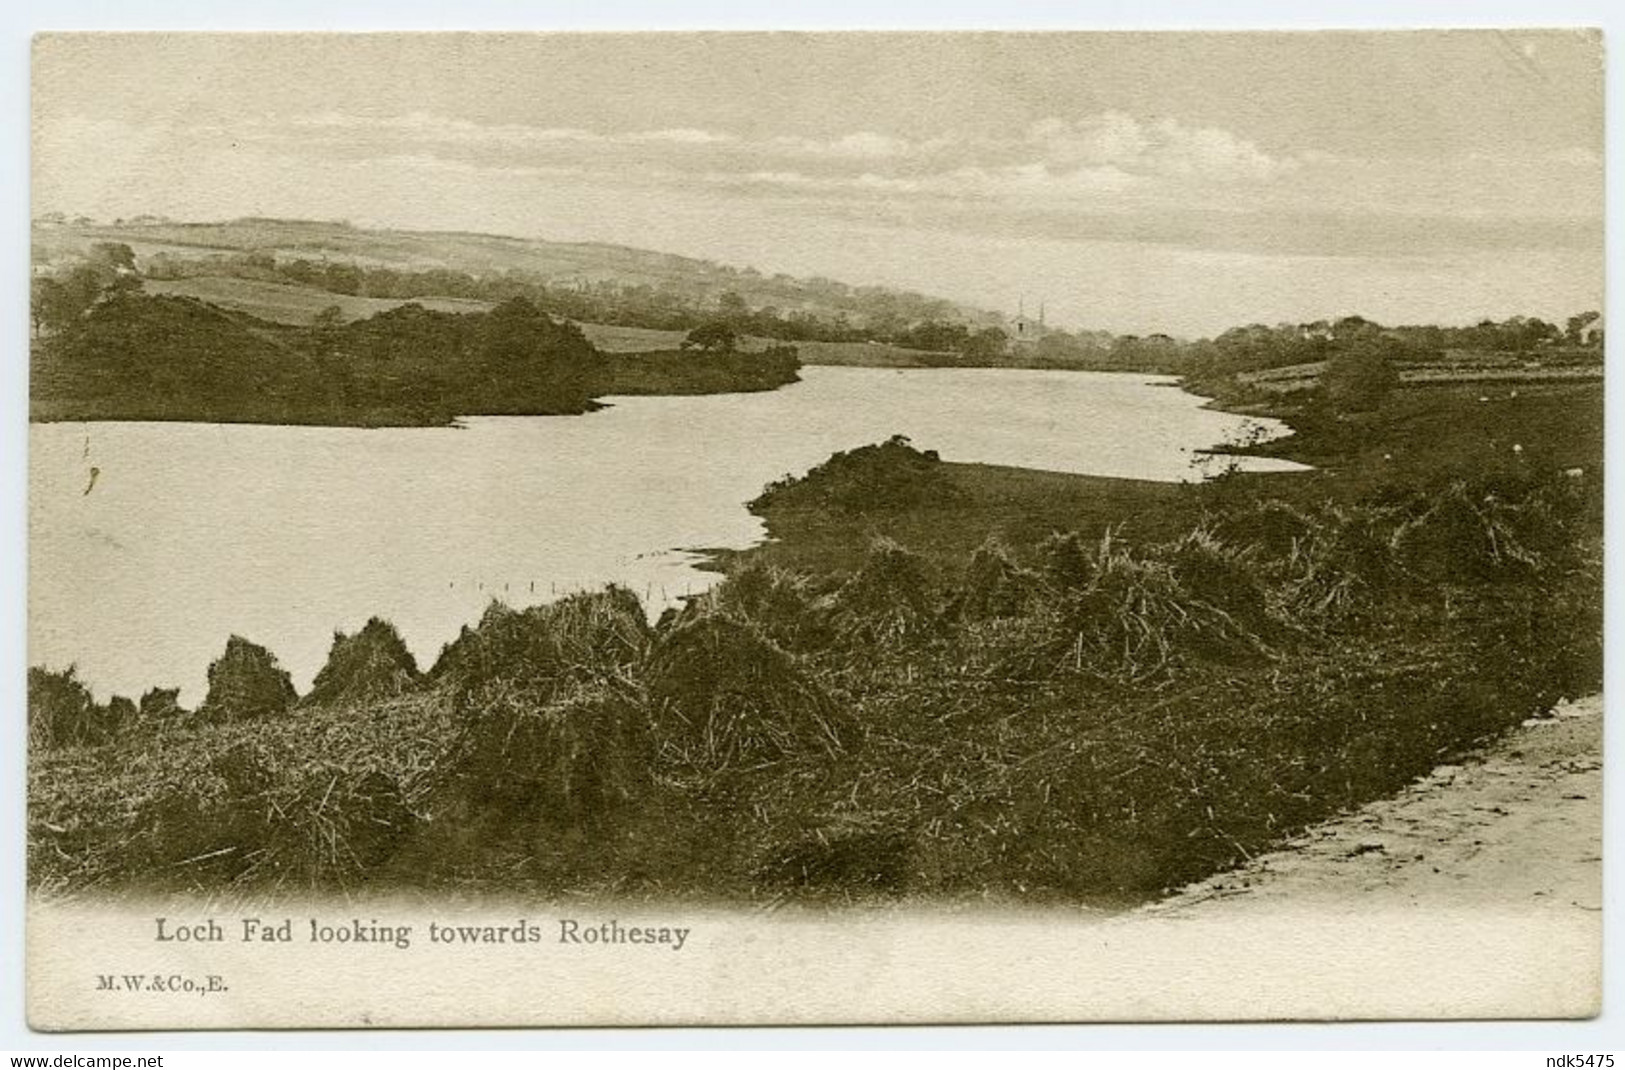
(294,305)
(1423,432)
(298,306)
(314,239)
(614,339)
(1454,366)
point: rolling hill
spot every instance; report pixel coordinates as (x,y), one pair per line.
(557,264)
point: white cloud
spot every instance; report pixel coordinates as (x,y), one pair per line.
(1164,147)
(1090,159)
(681,136)
(1092,152)
(1032,182)
(863,145)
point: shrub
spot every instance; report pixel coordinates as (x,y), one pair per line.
(887,476)
(246,683)
(369,665)
(712,337)
(1360,377)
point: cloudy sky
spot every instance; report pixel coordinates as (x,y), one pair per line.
(1176,182)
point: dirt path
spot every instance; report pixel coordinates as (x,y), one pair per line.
(1518,825)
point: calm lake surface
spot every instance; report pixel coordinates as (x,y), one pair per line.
(190,532)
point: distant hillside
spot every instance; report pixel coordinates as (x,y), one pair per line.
(658,278)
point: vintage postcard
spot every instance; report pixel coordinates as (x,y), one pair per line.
(744,528)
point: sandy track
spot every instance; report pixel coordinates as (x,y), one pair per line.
(1518,825)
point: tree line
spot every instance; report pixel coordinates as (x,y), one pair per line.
(720,324)
(125,354)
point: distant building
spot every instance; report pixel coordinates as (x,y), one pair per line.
(1026,331)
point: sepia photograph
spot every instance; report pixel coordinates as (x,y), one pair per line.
(790,528)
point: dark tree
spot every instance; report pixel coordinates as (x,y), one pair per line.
(1575,333)
(48,306)
(713,337)
(113,254)
(989,343)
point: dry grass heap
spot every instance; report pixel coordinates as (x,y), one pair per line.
(248,817)
(994,585)
(1220,575)
(1064,563)
(372,664)
(160,705)
(246,684)
(1138,619)
(524,764)
(890,600)
(554,737)
(788,608)
(724,696)
(281,801)
(1479,534)
(62,713)
(593,637)
(1061,720)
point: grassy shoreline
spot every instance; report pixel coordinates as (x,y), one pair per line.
(1422,435)
(660,374)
